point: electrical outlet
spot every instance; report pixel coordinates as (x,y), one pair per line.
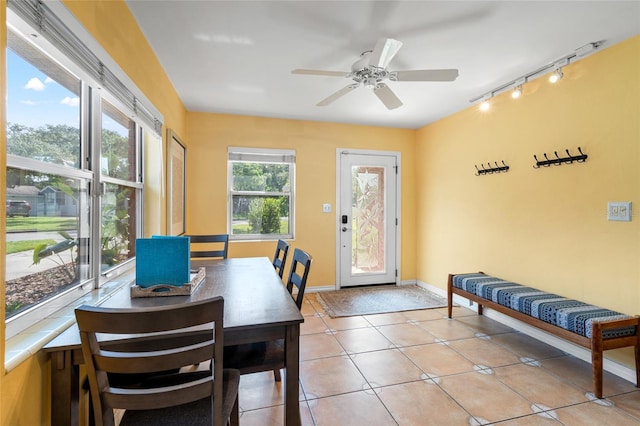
(619,211)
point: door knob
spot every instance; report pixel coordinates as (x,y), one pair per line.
(345,229)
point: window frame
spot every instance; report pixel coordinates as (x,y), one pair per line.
(268,156)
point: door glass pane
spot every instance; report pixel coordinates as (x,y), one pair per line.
(368,219)
(47,217)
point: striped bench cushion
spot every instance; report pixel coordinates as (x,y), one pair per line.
(569,314)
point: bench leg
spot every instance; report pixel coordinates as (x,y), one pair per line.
(450,296)
(638,365)
(596,359)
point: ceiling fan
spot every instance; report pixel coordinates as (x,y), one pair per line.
(371,69)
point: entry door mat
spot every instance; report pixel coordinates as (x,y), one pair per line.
(378,299)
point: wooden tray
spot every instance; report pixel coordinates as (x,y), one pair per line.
(162,290)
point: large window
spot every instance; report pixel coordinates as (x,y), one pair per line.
(74,185)
(44,256)
(261,188)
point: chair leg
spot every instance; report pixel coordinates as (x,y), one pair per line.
(234,419)
(276,375)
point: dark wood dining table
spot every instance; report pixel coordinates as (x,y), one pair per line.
(257,307)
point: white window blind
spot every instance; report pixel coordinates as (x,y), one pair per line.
(37,14)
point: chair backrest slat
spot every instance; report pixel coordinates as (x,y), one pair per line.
(280,257)
(298,278)
(201,246)
(148,399)
(150,360)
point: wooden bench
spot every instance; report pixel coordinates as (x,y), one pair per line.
(586,325)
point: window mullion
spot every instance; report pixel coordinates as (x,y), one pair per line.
(94,126)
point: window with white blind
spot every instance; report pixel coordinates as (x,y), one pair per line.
(261,193)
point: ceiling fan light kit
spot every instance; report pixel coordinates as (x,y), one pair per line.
(370,70)
(555,76)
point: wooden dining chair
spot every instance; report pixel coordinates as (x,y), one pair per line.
(202,246)
(297,281)
(280,257)
(153,397)
(265,356)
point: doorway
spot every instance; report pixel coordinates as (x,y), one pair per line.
(367,233)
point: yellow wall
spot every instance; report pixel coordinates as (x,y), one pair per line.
(315,144)
(542,227)
(24,395)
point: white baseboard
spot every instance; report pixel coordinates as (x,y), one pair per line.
(579,352)
(317,289)
(432,288)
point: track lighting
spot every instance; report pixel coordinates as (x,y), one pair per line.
(517,92)
(557,70)
(485,105)
(557,74)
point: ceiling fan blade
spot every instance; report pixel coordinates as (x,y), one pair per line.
(386,95)
(320,72)
(425,75)
(383,53)
(340,93)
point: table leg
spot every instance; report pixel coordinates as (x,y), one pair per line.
(292,362)
(65,392)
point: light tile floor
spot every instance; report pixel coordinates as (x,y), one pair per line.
(421,368)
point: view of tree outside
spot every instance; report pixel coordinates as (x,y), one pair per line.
(51,143)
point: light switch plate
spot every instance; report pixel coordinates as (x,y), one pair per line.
(326,208)
(619,210)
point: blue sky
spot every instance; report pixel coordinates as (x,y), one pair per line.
(34,99)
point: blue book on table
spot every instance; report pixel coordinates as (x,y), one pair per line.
(162,260)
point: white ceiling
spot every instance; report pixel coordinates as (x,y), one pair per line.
(236,57)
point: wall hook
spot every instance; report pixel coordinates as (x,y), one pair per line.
(491,169)
(569,159)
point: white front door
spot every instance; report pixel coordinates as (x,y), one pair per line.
(367,218)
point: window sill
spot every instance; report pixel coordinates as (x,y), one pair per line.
(30,341)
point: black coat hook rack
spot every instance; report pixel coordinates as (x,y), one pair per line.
(491,169)
(560,160)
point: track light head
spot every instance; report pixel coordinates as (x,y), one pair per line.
(517,92)
(485,105)
(556,75)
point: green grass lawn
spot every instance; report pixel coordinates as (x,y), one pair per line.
(18,246)
(41,224)
(245,228)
